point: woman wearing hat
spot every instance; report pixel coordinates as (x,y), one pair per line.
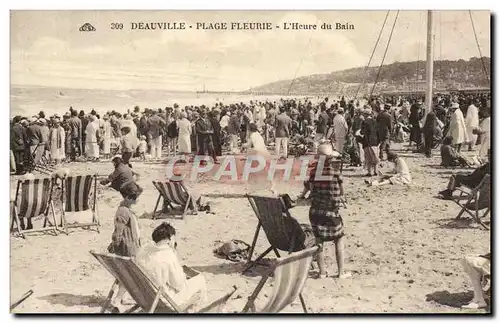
(326,195)
(125,240)
(57,139)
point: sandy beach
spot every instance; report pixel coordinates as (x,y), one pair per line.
(403,254)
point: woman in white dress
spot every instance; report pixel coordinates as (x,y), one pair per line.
(471,123)
(107,133)
(485,132)
(185,130)
(57,138)
(91,140)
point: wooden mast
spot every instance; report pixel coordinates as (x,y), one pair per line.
(430,62)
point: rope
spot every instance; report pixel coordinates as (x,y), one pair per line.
(371,57)
(300,64)
(385,53)
(478,47)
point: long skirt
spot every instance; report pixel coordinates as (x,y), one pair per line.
(326,225)
(371,156)
(92,149)
(106,146)
(184,144)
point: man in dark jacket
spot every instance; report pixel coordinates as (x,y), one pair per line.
(18,143)
(384,129)
(76,130)
(323,122)
(205,131)
(283,130)
(233,129)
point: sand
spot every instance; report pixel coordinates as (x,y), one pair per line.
(403,255)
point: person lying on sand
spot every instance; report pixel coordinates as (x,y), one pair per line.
(121,175)
(477,268)
(470,180)
(326,222)
(162,263)
(400,175)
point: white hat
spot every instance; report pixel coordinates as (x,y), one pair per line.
(455,106)
(327,150)
(116,156)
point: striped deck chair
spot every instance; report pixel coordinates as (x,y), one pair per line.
(173,192)
(281,229)
(290,275)
(39,162)
(79,195)
(476,199)
(33,198)
(147,295)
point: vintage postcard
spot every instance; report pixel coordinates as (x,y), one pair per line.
(250,161)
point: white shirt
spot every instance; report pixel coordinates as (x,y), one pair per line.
(161,262)
(257,142)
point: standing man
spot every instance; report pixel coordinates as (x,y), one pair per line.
(384,128)
(156,125)
(471,123)
(75,125)
(283,125)
(204,131)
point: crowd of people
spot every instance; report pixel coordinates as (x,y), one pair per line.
(359,133)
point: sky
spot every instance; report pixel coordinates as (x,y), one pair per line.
(47,48)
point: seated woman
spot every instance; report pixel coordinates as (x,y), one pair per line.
(478,268)
(450,157)
(161,261)
(402,173)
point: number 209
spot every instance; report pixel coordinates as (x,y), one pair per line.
(116,25)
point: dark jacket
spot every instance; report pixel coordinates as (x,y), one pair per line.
(384,125)
(369,132)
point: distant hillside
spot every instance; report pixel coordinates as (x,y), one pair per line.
(397,75)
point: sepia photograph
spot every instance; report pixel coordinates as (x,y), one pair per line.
(249,162)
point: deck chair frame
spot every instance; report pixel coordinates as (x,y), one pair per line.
(16,219)
(472,198)
(21,299)
(38,161)
(161,298)
(93,205)
(306,254)
(168,200)
(286,213)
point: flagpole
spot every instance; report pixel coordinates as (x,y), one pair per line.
(430,62)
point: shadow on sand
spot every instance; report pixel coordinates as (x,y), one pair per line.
(454,299)
(462,223)
(71,300)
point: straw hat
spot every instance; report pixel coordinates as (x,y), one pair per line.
(455,106)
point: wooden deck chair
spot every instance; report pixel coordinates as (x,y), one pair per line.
(143,290)
(290,275)
(39,162)
(78,195)
(281,229)
(22,299)
(476,199)
(35,199)
(173,192)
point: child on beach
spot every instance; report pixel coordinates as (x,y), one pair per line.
(143,145)
(125,240)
